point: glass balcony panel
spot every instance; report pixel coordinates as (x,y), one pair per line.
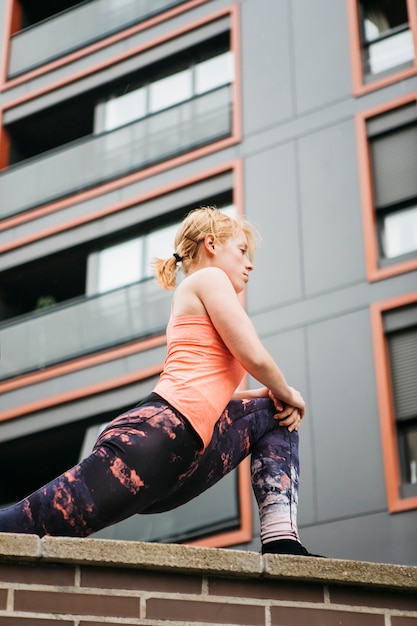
(87,326)
(77,28)
(83,164)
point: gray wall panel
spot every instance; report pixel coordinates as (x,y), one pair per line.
(345,417)
(321,53)
(331,212)
(271,203)
(266,84)
(378,537)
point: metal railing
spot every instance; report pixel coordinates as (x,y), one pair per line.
(97,159)
(77,27)
(82,327)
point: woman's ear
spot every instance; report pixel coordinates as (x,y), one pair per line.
(210,243)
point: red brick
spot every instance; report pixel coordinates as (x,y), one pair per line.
(37,574)
(212,612)
(32,621)
(378,598)
(3,598)
(267,589)
(143,581)
(399,620)
(291,616)
(76,604)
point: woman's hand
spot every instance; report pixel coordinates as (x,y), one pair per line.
(291,421)
(286,414)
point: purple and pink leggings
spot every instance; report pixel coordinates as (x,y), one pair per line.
(148,460)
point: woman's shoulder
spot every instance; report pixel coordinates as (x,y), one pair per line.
(189,295)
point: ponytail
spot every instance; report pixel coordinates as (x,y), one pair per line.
(165,271)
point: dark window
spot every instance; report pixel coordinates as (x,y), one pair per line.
(387,42)
(393,151)
(401,334)
(34,12)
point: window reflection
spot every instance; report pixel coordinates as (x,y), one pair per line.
(399,233)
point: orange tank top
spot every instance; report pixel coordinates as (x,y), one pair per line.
(200,374)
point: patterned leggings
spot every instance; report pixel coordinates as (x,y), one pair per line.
(148,460)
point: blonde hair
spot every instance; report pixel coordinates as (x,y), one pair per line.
(195,226)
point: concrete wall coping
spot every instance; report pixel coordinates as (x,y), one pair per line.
(202,561)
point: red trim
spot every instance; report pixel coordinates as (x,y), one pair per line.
(95,47)
(359,87)
(386,404)
(374,272)
(4,145)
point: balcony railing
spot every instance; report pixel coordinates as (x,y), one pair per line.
(82,327)
(76,28)
(97,159)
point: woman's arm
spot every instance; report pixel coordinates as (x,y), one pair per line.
(216,292)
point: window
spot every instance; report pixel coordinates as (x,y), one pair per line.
(387,42)
(383,40)
(400,327)
(392,140)
(165,108)
(177,87)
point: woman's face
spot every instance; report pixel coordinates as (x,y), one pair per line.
(232,257)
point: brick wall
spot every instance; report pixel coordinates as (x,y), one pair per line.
(76,582)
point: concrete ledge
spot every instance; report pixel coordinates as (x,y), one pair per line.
(204,561)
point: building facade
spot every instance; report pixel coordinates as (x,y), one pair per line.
(117,118)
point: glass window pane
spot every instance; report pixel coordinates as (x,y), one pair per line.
(170,90)
(408,454)
(391,52)
(159,244)
(215,72)
(120,265)
(399,233)
(229,210)
(125,109)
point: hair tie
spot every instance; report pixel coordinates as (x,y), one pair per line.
(177,257)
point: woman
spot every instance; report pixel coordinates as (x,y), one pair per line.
(195,427)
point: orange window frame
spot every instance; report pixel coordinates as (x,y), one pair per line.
(359,86)
(12,25)
(373,271)
(390,453)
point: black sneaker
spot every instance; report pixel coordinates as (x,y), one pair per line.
(287,546)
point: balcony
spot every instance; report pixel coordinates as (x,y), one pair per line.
(78,27)
(90,161)
(81,327)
